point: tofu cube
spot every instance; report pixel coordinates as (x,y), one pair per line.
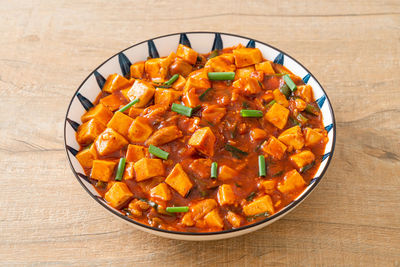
(88,131)
(277,115)
(179,180)
(226,173)
(292,137)
(109,141)
(135,153)
(102,170)
(118,194)
(187,219)
(302,159)
(259,205)
(86,156)
(120,123)
(148,168)
(244,72)
(313,137)
(280,98)
(203,140)
(112,102)
(166,96)
(220,64)
(135,112)
(266,67)
(201,168)
(291,182)
(213,113)
(181,67)
(274,147)
(139,131)
(161,191)
(187,54)
(201,208)
(142,90)
(257,134)
(234,219)
(114,83)
(305,92)
(258,75)
(164,135)
(137,70)
(157,68)
(247,56)
(198,80)
(191,98)
(129,172)
(179,84)
(226,196)
(213,219)
(268,186)
(98,112)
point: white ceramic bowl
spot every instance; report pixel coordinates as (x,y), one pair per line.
(202,42)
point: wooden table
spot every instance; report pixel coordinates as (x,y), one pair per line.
(49,47)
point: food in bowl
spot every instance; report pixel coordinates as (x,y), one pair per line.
(202,142)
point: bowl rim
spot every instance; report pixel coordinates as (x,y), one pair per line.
(280,213)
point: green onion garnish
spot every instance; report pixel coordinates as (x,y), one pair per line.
(236,152)
(270,103)
(133,102)
(158,152)
(177,209)
(172,80)
(203,95)
(277,174)
(214,170)
(285,90)
(301,119)
(261,166)
(251,196)
(312,110)
(120,170)
(213,54)
(181,109)
(251,113)
(221,76)
(307,167)
(289,82)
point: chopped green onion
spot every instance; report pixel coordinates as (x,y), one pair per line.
(221,76)
(151,203)
(270,103)
(133,102)
(177,209)
(290,82)
(101,184)
(285,90)
(312,110)
(203,95)
(120,170)
(261,166)
(301,119)
(236,152)
(158,152)
(245,104)
(307,167)
(214,170)
(294,121)
(251,196)
(277,174)
(172,80)
(251,218)
(213,54)
(251,113)
(181,109)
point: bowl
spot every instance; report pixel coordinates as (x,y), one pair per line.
(202,42)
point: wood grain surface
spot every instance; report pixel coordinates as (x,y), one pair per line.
(47,48)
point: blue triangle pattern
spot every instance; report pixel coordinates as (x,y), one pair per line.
(183,39)
(329,127)
(306,78)
(251,44)
(153,53)
(217,45)
(73,124)
(325,156)
(279,59)
(84,101)
(124,63)
(320,101)
(84,177)
(72,150)
(100,79)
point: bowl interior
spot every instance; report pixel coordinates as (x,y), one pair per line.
(202,42)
